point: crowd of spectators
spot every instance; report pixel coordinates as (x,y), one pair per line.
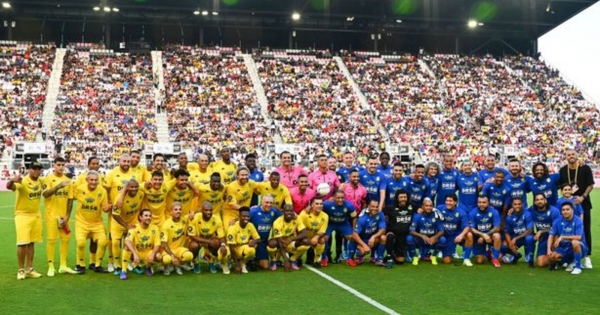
(210,99)
(105,106)
(311,101)
(24,73)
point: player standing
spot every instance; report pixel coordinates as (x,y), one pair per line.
(323,175)
(237,194)
(302,195)
(225,166)
(288,172)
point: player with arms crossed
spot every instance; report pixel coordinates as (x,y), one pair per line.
(290,237)
(144,244)
(242,239)
(206,231)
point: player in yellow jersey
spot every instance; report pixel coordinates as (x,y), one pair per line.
(155,197)
(144,244)
(93,164)
(281,194)
(206,231)
(158,164)
(116,180)
(213,193)
(316,222)
(183,192)
(56,198)
(124,216)
(200,172)
(238,194)
(242,239)
(91,202)
(173,239)
(225,166)
(28,219)
(289,237)
(135,167)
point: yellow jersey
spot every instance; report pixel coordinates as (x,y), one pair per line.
(144,240)
(316,224)
(116,180)
(29,194)
(130,209)
(174,233)
(184,196)
(238,194)
(212,196)
(281,194)
(206,229)
(199,178)
(80,180)
(56,205)
(282,229)
(227,171)
(90,204)
(156,201)
(236,235)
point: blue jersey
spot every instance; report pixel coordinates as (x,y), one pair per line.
(484,221)
(547,186)
(499,196)
(426,224)
(417,191)
(563,227)
(339,214)
(385,171)
(519,187)
(372,183)
(258,177)
(447,186)
(517,224)
(467,191)
(390,186)
(455,221)
(367,225)
(542,220)
(486,174)
(434,184)
(578,211)
(263,221)
(345,172)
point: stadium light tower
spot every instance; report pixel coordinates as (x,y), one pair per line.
(296,16)
(6,5)
(472,24)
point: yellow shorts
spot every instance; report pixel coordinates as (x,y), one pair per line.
(53,232)
(245,252)
(117,231)
(29,228)
(96,232)
(144,255)
(179,251)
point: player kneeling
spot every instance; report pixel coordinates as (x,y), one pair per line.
(368,233)
(144,244)
(206,231)
(566,242)
(485,226)
(316,222)
(289,237)
(518,232)
(173,239)
(426,233)
(242,239)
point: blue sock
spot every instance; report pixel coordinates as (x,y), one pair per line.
(380,250)
(578,260)
(351,249)
(495,253)
(467,253)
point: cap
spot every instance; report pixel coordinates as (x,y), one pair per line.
(224,148)
(36,164)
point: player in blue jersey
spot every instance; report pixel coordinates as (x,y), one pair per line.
(384,166)
(432,172)
(255,175)
(544,183)
(398,220)
(342,217)
(426,233)
(448,178)
(262,217)
(489,171)
(372,180)
(456,230)
(391,185)
(485,226)
(498,194)
(516,182)
(567,195)
(417,186)
(467,188)
(348,165)
(543,216)
(566,242)
(368,233)
(518,232)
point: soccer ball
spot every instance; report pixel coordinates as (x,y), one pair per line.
(323,189)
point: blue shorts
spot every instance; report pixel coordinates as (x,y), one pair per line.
(567,253)
(450,248)
(261,248)
(542,246)
(480,249)
(343,228)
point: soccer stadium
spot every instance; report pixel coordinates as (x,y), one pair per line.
(299,156)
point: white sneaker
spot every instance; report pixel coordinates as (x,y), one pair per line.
(166,271)
(570,267)
(178,271)
(244,270)
(576,271)
(456,256)
(467,262)
(186,267)
(111,267)
(160,268)
(565,265)
(130,266)
(587,263)
(225,268)
(440,255)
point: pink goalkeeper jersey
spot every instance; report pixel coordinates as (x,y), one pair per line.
(290,179)
(329,177)
(356,195)
(301,200)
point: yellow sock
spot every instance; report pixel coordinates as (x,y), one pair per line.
(92,258)
(50,248)
(111,258)
(100,252)
(64,252)
(81,253)
(116,250)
